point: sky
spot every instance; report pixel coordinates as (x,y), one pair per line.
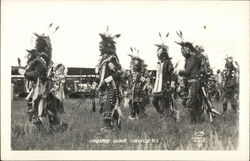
(75,44)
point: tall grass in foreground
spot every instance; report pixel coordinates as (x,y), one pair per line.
(151,133)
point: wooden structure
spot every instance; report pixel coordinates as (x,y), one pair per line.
(78,79)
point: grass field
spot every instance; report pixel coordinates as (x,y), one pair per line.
(151,133)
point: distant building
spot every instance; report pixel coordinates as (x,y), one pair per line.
(78,79)
(18,83)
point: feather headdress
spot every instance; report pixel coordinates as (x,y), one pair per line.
(163,42)
(163,46)
(46,35)
(185,43)
(135,56)
(108,44)
(43,42)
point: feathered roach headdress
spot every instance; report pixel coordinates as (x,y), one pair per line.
(183,43)
(43,42)
(135,56)
(107,45)
(163,46)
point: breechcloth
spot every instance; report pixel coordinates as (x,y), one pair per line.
(107,100)
(194,101)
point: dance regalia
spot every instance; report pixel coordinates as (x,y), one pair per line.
(58,79)
(137,94)
(191,75)
(136,82)
(164,76)
(36,74)
(230,86)
(147,88)
(40,98)
(109,70)
(39,60)
(164,83)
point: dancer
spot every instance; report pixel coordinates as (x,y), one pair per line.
(164,83)
(109,70)
(137,86)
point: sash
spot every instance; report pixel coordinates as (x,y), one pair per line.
(158,80)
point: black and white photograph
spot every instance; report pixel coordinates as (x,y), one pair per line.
(140,80)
